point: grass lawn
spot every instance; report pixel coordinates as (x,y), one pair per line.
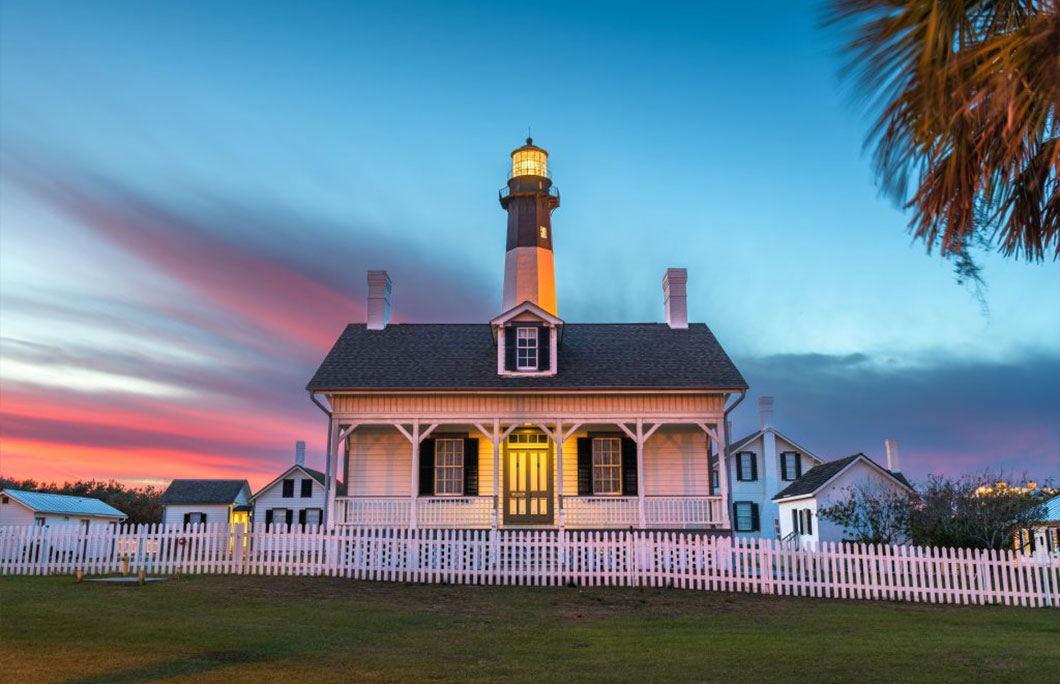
(222,629)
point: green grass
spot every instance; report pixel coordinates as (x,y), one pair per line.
(226,629)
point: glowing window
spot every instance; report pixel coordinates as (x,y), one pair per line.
(607,465)
(529,162)
(449,466)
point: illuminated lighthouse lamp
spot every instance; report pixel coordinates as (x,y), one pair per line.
(529,160)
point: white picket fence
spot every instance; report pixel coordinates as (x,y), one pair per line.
(546,558)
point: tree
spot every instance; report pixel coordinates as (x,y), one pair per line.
(872,515)
(141,504)
(966,96)
(976,512)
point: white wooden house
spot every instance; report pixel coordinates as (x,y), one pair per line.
(296,498)
(526,420)
(826,484)
(20,507)
(758,466)
(192,502)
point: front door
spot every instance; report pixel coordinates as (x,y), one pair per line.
(527,479)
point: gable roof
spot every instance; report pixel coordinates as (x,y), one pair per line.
(203,491)
(744,441)
(315,474)
(819,476)
(526,307)
(43,502)
(463,357)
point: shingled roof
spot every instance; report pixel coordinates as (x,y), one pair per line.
(818,476)
(203,491)
(464,357)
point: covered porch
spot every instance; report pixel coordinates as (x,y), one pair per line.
(589,472)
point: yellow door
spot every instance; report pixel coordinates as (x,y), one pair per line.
(527,479)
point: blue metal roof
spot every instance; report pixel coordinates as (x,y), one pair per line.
(1052,509)
(63,504)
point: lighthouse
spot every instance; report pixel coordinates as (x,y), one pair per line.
(529,198)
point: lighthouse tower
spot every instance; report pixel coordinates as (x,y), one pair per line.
(529,198)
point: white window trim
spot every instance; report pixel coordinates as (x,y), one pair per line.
(750,516)
(789,459)
(460,451)
(750,456)
(618,451)
(535,347)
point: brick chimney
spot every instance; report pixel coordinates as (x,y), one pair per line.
(675,297)
(765,412)
(378,300)
(891,445)
(299,453)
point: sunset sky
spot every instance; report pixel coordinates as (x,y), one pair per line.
(191,193)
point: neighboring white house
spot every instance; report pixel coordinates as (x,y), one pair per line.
(19,507)
(760,464)
(827,484)
(1044,537)
(191,502)
(297,497)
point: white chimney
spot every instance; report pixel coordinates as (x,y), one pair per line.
(299,453)
(675,298)
(765,412)
(378,300)
(891,445)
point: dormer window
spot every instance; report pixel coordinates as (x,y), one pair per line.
(526,349)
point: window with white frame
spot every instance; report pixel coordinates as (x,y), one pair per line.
(313,516)
(449,466)
(744,516)
(526,348)
(807,521)
(196,518)
(746,466)
(607,465)
(790,465)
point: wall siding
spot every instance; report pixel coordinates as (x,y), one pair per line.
(379,463)
(273,498)
(174,515)
(348,406)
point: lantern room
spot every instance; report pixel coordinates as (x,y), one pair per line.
(529,160)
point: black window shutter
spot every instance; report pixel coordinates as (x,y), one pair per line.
(736,517)
(187,519)
(754,466)
(288,488)
(307,488)
(783,465)
(544,339)
(754,517)
(585,466)
(202,518)
(301,518)
(509,348)
(795,521)
(290,517)
(471,467)
(629,467)
(798,464)
(268,518)
(427,467)
(809,521)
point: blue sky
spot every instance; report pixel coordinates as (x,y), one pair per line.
(181,181)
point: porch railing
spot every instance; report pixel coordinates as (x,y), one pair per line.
(579,511)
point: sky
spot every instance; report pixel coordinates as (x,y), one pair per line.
(191,193)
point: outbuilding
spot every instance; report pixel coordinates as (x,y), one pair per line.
(193,502)
(21,507)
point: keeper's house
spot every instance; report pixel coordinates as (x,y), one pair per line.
(527,420)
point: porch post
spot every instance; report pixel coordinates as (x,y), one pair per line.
(332,471)
(496,472)
(640,473)
(414,475)
(559,472)
(723,472)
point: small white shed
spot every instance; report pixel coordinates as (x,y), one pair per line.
(194,502)
(823,486)
(21,507)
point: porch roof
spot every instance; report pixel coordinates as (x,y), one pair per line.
(635,356)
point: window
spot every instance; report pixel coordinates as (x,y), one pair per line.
(4,500)
(607,465)
(196,518)
(715,480)
(789,466)
(313,516)
(745,516)
(288,489)
(544,233)
(448,466)
(39,521)
(807,521)
(526,349)
(527,438)
(307,489)
(746,466)
(84,525)
(276,517)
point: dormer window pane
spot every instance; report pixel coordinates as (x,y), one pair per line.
(526,349)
